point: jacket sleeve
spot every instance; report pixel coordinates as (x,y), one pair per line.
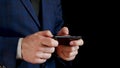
(60,63)
(8,49)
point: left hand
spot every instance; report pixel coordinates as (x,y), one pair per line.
(68,53)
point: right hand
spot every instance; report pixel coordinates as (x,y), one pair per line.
(38,47)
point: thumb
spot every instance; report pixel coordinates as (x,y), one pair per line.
(64,31)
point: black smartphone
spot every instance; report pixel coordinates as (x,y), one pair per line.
(65,40)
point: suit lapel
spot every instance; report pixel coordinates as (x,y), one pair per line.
(31,11)
(48,15)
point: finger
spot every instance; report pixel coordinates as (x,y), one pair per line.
(43,55)
(70,54)
(39,60)
(69,58)
(63,31)
(62,54)
(70,48)
(79,42)
(47,49)
(48,42)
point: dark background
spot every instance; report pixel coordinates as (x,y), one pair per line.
(93,21)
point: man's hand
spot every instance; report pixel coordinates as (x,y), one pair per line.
(68,53)
(38,47)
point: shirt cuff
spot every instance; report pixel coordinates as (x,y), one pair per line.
(19,56)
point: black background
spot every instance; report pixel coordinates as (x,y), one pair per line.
(93,21)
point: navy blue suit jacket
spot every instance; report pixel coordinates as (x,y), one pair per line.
(18,19)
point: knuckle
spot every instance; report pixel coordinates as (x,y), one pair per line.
(52,49)
(76,52)
(81,42)
(49,56)
(53,42)
(47,32)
